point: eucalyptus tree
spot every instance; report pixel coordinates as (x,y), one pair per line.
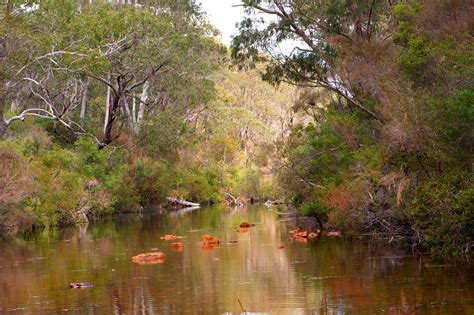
(34,80)
(319,34)
(138,57)
(147,58)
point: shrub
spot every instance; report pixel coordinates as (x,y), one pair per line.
(151,180)
(442,211)
(346,203)
(314,209)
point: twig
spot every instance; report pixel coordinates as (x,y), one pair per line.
(326,302)
(243,310)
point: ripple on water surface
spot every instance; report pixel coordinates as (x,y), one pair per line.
(258,270)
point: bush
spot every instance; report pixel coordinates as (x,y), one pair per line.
(151,180)
(442,211)
(198,183)
(313,209)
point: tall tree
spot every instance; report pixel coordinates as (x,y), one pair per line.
(316,31)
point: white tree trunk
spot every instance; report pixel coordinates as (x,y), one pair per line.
(141,111)
(128,112)
(107,106)
(134,110)
(82,116)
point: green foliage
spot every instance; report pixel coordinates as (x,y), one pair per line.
(406,10)
(367,161)
(223,148)
(151,181)
(163,134)
(404,168)
(455,118)
(378,140)
(253,184)
(58,188)
(315,209)
(192,131)
(59,197)
(442,210)
(414,59)
(198,187)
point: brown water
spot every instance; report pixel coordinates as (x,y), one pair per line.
(329,276)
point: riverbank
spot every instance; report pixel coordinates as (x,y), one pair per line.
(49,182)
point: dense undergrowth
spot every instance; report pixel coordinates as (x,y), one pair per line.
(49,183)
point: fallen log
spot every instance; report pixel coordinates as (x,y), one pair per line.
(179,203)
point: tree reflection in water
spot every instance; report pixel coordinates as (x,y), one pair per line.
(327,276)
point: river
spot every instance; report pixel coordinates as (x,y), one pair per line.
(327,276)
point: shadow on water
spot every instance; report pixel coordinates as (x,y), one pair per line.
(329,276)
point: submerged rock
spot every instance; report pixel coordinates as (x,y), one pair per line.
(171,237)
(246,225)
(208,242)
(178,246)
(149,258)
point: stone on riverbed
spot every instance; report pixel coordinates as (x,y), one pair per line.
(149,258)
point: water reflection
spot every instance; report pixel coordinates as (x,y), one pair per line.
(323,277)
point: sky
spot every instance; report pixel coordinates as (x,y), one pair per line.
(224,15)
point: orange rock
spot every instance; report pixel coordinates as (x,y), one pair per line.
(243,230)
(208,242)
(171,237)
(300,239)
(303,234)
(314,235)
(295,229)
(207,248)
(149,258)
(178,246)
(246,225)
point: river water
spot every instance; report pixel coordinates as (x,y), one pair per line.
(328,276)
